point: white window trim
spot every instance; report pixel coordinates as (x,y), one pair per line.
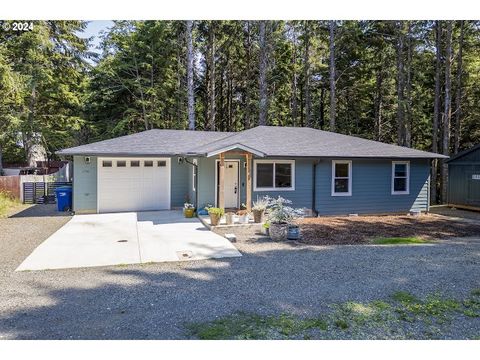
(256,188)
(408,178)
(334,163)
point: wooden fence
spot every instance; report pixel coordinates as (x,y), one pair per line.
(11,184)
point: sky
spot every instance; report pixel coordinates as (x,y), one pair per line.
(93,29)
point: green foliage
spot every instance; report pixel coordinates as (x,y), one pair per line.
(216,211)
(51,94)
(404,316)
(7,203)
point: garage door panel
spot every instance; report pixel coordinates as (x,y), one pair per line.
(132,188)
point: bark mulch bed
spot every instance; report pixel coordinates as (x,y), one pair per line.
(362,229)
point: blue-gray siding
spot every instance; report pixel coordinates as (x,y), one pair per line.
(84,184)
(371,189)
(371,186)
(180,183)
(302,195)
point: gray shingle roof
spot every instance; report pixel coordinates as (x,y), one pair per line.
(151,142)
(308,142)
(270,140)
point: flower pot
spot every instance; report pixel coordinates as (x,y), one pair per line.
(265,230)
(258,215)
(243,219)
(229,218)
(214,219)
(189,213)
(293,232)
(278,232)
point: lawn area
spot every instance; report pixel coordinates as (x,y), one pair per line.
(367,229)
(401,316)
(398,240)
(7,203)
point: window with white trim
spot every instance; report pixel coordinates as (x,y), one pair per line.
(341,178)
(274,175)
(400,177)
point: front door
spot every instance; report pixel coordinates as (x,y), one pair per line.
(231,190)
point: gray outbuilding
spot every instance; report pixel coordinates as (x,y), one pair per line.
(464,179)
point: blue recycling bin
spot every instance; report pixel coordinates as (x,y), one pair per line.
(64,198)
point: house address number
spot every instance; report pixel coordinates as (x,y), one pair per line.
(476,177)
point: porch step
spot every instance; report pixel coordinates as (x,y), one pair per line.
(231,237)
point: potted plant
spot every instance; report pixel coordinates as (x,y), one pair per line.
(204,210)
(242,216)
(259,208)
(229,218)
(265,228)
(280,216)
(215,215)
(188,210)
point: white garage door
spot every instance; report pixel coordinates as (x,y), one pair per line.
(133,184)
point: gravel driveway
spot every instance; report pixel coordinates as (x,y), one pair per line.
(156,300)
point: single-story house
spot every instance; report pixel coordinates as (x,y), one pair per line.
(324,172)
(464,179)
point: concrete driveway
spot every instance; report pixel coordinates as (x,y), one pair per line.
(127,238)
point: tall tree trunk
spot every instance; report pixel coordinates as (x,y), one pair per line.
(408,90)
(322,107)
(248,96)
(1,158)
(211,68)
(458,95)
(190,93)
(436,109)
(447,114)
(333,98)
(306,73)
(263,106)
(400,84)
(378,101)
(294,80)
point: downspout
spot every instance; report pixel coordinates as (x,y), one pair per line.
(195,168)
(314,187)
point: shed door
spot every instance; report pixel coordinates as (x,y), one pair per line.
(133,184)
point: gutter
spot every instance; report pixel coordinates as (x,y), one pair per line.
(314,187)
(195,168)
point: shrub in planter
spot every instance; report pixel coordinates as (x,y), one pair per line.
(278,231)
(215,215)
(280,215)
(259,208)
(188,210)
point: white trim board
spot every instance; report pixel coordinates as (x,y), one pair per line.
(350,178)
(407,191)
(273,161)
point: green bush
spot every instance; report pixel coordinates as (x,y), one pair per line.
(7,201)
(216,211)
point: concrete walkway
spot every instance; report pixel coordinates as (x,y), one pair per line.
(127,238)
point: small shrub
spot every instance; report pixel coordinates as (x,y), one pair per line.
(404,297)
(216,211)
(341,324)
